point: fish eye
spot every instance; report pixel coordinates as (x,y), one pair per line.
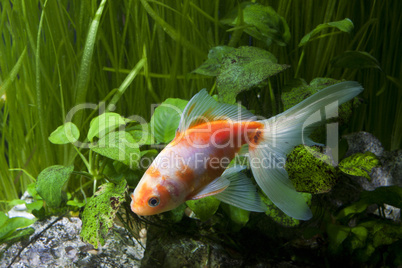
(153,201)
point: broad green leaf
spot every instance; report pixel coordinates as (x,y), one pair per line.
(359,164)
(118,145)
(212,66)
(67,133)
(359,237)
(345,25)
(15,202)
(50,183)
(36,205)
(142,137)
(166,118)
(9,225)
(244,68)
(337,234)
(176,214)
(204,208)
(99,213)
(74,203)
(355,208)
(31,189)
(142,134)
(237,215)
(355,59)
(262,22)
(103,124)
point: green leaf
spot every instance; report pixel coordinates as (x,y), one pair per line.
(6,83)
(175,215)
(345,25)
(15,202)
(103,124)
(67,133)
(212,66)
(9,225)
(355,208)
(142,137)
(166,118)
(118,145)
(204,208)
(337,234)
(359,164)
(50,183)
(237,215)
(3,218)
(36,205)
(31,189)
(359,237)
(262,22)
(244,68)
(99,213)
(355,59)
(18,234)
(75,203)
(83,75)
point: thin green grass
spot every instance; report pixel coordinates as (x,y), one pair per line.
(63,65)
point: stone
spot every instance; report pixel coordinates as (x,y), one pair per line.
(180,250)
(56,243)
(388,173)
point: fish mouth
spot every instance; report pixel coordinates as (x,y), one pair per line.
(132,205)
(137,209)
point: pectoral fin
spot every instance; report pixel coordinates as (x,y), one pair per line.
(241,192)
(216,186)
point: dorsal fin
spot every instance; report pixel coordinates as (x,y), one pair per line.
(203,108)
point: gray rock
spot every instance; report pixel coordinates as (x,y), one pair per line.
(361,142)
(56,243)
(388,173)
(179,250)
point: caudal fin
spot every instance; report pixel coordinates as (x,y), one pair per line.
(285,131)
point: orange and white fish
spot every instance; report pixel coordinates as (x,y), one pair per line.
(195,164)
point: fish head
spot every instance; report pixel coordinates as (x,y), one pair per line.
(155,193)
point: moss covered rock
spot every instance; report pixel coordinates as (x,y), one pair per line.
(310,169)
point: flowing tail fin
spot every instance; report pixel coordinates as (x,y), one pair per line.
(285,131)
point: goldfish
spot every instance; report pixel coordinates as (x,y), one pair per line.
(196,163)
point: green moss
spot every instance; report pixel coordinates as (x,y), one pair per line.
(310,170)
(359,164)
(100,211)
